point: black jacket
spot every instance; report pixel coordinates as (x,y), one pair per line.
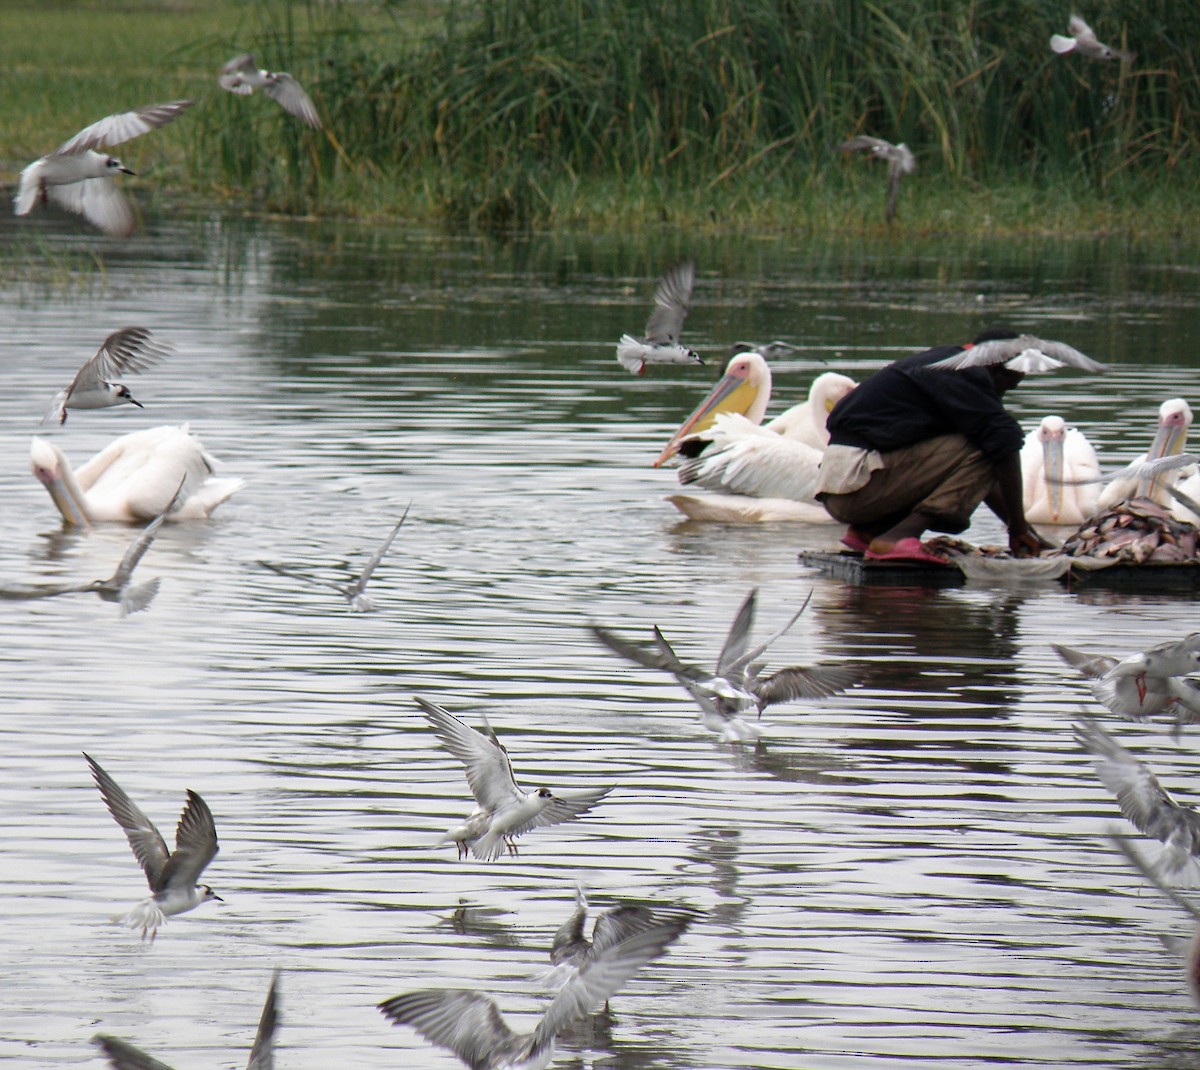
(906,403)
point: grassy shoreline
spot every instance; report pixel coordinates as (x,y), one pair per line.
(494,118)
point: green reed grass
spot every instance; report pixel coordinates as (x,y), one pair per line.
(500,113)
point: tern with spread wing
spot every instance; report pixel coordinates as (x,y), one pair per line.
(660,344)
(124,1056)
(1026,354)
(469,1023)
(129,350)
(1083,40)
(78,178)
(1143,801)
(242,75)
(1157,664)
(355,593)
(737,684)
(504,811)
(115,588)
(172,875)
(900,162)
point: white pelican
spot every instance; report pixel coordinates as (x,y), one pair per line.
(134,478)
(764,472)
(1054,459)
(1174,419)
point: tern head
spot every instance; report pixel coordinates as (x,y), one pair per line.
(206,893)
(121,391)
(545,793)
(113,164)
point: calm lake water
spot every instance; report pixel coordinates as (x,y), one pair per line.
(913,874)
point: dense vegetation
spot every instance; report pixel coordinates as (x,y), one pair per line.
(522,112)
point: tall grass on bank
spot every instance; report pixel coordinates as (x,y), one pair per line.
(517,112)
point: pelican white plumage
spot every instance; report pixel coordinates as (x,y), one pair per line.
(1055,462)
(1174,420)
(134,478)
(761,472)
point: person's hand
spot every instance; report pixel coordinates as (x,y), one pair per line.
(1028,543)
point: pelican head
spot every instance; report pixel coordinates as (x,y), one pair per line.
(53,471)
(745,388)
(1174,419)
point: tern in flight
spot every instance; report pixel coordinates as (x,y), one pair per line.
(172,875)
(78,178)
(355,592)
(129,350)
(469,1023)
(660,344)
(504,810)
(737,683)
(124,1056)
(242,75)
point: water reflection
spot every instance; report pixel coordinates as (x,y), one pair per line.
(913,871)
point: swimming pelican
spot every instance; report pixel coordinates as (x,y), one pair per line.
(1174,419)
(762,472)
(134,478)
(1054,459)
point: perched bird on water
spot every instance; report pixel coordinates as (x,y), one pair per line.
(900,162)
(469,1023)
(242,75)
(129,350)
(172,875)
(504,810)
(1143,801)
(355,593)
(1173,423)
(1026,354)
(1059,474)
(134,478)
(737,684)
(660,344)
(1084,41)
(124,1056)
(78,178)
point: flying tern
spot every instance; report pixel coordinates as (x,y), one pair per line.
(660,344)
(1084,41)
(1026,354)
(737,683)
(355,593)
(172,875)
(469,1023)
(1174,658)
(78,178)
(124,1056)
(242,75)
(131,349)
(900,162)
(504,810)
(1143,800)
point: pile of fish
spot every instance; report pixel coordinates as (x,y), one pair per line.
(1134,532)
